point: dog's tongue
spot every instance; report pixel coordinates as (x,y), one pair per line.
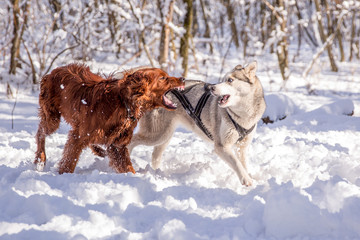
(224,99)
(168,102)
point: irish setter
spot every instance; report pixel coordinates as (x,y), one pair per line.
(101,111)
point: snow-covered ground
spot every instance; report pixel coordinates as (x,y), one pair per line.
(306,169)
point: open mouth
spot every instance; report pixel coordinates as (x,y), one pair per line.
(167,102)
(224,99)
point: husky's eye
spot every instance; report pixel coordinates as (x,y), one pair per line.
(229,80)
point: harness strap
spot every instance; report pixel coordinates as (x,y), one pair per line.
(241,131)
(194,114)
(201,103)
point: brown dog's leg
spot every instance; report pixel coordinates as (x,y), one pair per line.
(97,150)
(72,151)
(49,123)
(120,159)
(40,156)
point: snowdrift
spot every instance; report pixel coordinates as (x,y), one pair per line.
(306,168)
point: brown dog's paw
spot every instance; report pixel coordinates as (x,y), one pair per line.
(123,168)
(40,161)
(130,169)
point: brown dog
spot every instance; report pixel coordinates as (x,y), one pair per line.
(101,111)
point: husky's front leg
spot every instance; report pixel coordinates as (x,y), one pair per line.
(241,150)
(226,153)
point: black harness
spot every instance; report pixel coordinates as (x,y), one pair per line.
(241,131)
(195,114)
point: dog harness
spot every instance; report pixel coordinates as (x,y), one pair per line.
(195,114)
(241,131)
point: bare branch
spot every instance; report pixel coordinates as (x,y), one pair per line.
(275,12)
(58,56)
(327,43)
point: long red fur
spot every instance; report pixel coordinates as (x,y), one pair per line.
(101,111)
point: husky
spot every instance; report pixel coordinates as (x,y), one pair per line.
(228,118)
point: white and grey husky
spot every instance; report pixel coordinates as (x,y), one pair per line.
(227,117)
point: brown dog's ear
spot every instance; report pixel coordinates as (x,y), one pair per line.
(250,70)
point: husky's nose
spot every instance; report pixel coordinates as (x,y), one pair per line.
(209,87)
(182,79)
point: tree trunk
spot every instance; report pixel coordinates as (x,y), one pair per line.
(15,42)
(331,24)
(282,45)
(341,47)
(165,36)
(357,44)
(353,30)
(323,37)
(264,36)
(310,37)
(139,19)
(207,27)
(299,31)
(173,46)
(245,30)
(231,18)
(55,8)
(272,29)
(184,42)
(195,23)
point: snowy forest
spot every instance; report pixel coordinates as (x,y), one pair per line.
(38,35)
(304,157)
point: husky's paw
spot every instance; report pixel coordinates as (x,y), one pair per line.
(246,181)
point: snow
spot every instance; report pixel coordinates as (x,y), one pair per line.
(306,168)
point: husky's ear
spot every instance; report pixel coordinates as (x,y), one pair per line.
(238,67)
(250,70)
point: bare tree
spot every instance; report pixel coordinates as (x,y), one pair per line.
(323,36)
(231,18)
(184,42)
(246,27)
(282,44)
(339,36)
(165,35)
(352,38)
(15,42)
(138,17)
(207,27)
(55,8)
(328,42)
